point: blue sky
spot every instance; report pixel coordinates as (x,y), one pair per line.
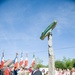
(22,22)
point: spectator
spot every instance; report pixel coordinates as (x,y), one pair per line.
(47,73)
(15,71)
(43,72)
(36,71)
(73,71)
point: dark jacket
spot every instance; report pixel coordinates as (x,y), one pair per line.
(15,72)
(1,72)
(37,72)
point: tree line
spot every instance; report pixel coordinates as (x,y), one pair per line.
(65,63)
(62,64)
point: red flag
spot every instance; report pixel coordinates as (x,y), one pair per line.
(33,61)
(26,60)
(16,64)
(2,60)
(7,71)
(21,60)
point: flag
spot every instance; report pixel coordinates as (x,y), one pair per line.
(21,60)
(2,60)
(26,60)
(33,61)
(16,64)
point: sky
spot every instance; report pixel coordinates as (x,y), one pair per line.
(23,21)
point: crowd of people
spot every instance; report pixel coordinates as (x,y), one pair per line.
(65,71)
(19,71)
(32,71)
(61,72)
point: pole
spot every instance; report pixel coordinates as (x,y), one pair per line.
(50,55)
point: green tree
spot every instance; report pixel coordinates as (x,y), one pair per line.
(69,63)
(59,64)
(65,63)
(73,62)
(39,65)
